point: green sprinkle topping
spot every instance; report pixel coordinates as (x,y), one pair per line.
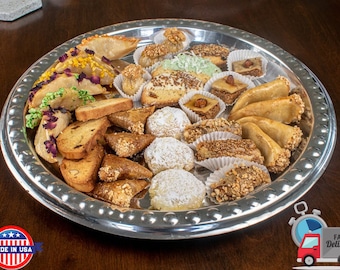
(34,115)
(51,96)
(191,63)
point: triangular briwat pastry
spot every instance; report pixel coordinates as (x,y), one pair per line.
(120,192)
(115,168)
(128,144)
(132,120)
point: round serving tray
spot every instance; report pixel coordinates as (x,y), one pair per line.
(308,163)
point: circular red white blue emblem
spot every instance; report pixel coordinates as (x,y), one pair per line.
(16,247)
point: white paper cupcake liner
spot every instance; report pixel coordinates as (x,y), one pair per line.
(214,136)
(194,117)
(214,164)
(230,163)
(136,97)
(237,76)
(239,55)
(138,52)
(159,38)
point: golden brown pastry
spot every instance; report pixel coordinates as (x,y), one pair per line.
(238,182)
(276,158)
(133,120)
(152,54)
(286,136)
(270,90)
(110,47)
(81,174)
(132,79)
(251,66)
(174,39)
(285,109)
(115,168)
(128,144)
(120,192)
(228,89)
(244,148)
(217,54)
(192,132)
(203,106)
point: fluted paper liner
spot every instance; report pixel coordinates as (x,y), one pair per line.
(194,117)
(239,55)
(159,38)
(214,136)
(237,76)
(136,97)
(138,52)
(229,164)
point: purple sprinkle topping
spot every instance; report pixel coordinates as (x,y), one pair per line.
(95,79)
(81,76)
(75,51)
(63,57)
(106,60)
(88,51)
(51,146)
(68,72)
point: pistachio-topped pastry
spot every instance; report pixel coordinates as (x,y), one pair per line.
(195,65)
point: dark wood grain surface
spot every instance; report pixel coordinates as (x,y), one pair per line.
(309,30)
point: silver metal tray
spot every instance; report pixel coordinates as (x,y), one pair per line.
(308,162)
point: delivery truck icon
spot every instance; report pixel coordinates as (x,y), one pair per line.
(316,242)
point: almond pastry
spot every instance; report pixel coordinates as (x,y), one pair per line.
(120,192)
(115,168)
(128,144)
(132,120)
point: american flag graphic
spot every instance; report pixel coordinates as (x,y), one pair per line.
(16,247)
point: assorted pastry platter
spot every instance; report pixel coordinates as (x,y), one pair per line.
(307,160)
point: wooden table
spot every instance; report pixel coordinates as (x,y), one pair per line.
(309,30)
